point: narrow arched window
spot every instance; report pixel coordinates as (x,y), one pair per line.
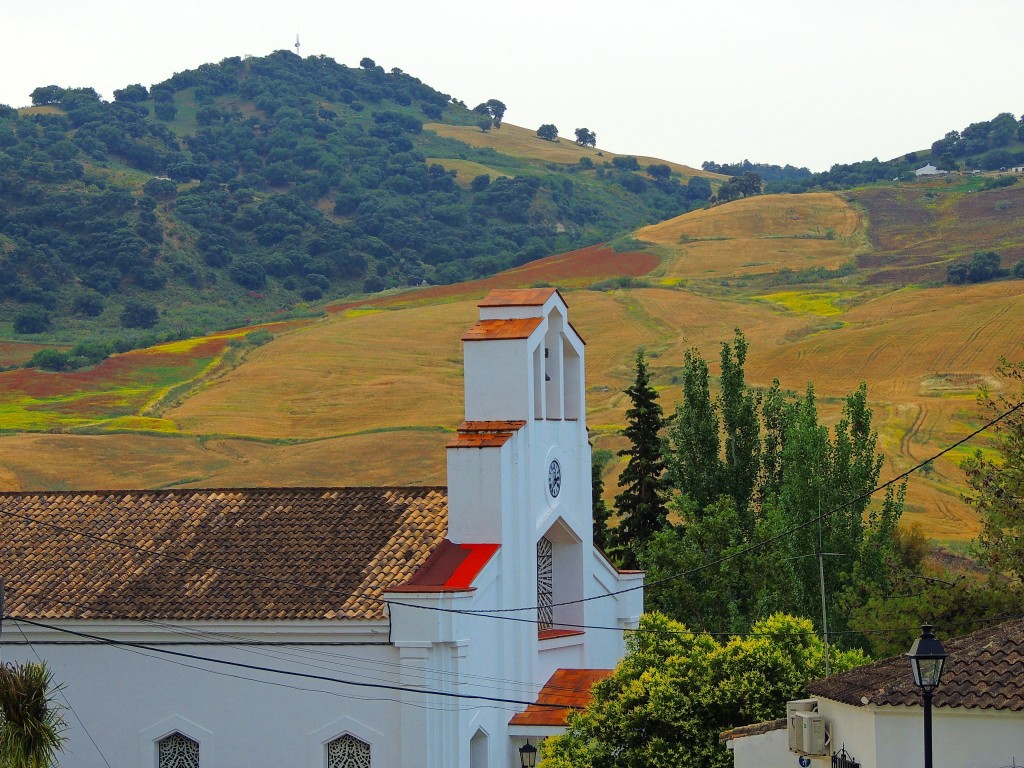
(177,751)
(348,752)
(545,586)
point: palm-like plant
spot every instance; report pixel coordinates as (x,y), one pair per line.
(31,725)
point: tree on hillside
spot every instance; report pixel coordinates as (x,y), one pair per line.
(586,137)
(641,504)
(752,466)
(659,171)
(496,109)
(46,94)
(997,482)
(548,132)
(131,93)
(674,692)
(30,721)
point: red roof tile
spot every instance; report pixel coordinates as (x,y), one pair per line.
(280,553)
(569,688)
(484,434)
(517,297)
(450,567)
(495,330)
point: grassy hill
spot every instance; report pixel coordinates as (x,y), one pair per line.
(250,189)
(830,288)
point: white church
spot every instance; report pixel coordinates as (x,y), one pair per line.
(339,627)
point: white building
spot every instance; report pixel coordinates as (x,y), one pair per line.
(171,617)
(929,170)
(872,715)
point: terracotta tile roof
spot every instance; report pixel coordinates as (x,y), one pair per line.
(567,687)
(484,434)
(58,559)
(517,297)
(752,730)
(985,670)
(491,330)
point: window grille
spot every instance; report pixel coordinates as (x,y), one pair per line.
(843,759)
(545,586)
(348,752)
(177,751)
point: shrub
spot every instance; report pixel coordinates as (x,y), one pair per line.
(138,314)
(89,304)
(32,320)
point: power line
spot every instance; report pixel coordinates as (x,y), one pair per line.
(60,691)
(290,673)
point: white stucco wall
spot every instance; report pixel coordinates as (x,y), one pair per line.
(884,737)
(127,699)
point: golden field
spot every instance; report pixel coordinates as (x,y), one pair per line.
(371,397)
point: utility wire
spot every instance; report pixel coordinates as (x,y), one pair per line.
(66,701)
(290,673)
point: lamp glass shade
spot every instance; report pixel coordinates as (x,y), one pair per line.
(528,755)
(927,658)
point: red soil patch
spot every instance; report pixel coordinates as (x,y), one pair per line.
(16,353)
(577,267)
(130,368)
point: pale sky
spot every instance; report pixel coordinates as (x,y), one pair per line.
(806,82)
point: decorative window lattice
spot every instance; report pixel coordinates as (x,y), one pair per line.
(177,751)
(348,752)
(545,586)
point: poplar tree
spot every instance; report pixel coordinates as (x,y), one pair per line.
(641,504)
(695,468)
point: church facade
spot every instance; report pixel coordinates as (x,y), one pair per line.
(339,627)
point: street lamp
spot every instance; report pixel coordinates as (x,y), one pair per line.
(927,657)
(528,755)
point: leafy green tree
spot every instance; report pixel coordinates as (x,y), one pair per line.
(485,124)
(996,482)
(626,163)
(675,691)
(131,93)
(33,319)
(138,314)
(31,725)
(367,63)
(659,171)
(586,138)
(641,504)
(548,132)
(46,94)
(496,109)
(984,265)
(739,407)
(695,468)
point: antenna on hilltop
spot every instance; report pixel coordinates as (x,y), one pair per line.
(297,53)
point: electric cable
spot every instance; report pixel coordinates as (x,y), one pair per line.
(290,673)
(60,691)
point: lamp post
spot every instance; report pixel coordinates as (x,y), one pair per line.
(528,755)
(927,657)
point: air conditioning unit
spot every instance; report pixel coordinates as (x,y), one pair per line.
(808,733)
(793,728)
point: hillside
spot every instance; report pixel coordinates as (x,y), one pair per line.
(255,187)
(827,288)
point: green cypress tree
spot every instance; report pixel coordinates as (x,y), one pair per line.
(641,504)
(601,512)
(739,407)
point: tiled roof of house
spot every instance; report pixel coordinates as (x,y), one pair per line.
(494,330)
(569,688)
(517,297)
(484,434)
(232,554)
(752,730)
(985,670)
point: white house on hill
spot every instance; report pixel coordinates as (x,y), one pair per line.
(339,627)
